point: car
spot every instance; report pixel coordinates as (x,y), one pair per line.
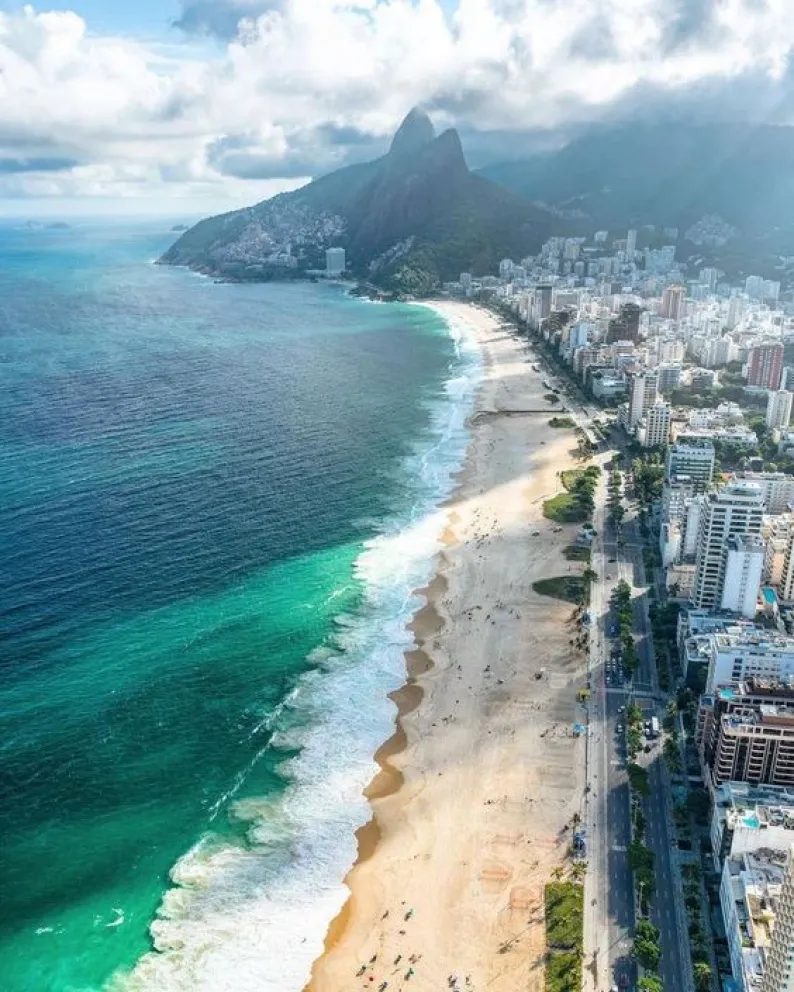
(612,561)
(621,709)
(609,577)
(619,728)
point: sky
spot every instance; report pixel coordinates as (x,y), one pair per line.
(189,107)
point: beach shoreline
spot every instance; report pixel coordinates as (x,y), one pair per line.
(480,780)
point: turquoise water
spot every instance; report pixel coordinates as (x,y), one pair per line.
(215,503)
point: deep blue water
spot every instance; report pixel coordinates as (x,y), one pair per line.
(192,477)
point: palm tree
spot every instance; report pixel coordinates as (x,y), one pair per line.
(702,975)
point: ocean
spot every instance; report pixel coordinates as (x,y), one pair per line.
(216,503)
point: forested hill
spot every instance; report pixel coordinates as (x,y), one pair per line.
(408,221)
(666,173)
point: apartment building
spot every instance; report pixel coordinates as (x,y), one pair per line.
(735,511)
(746,733)
(695,461)
(779,970)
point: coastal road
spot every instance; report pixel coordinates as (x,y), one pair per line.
(667,909)
(609,895)
(609,899)
(610,921)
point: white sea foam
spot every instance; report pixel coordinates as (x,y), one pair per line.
(254,917)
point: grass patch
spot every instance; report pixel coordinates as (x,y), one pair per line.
(570,477)
(564,916)
(564,928)
(638,778)
(565,509)
(570,588)
(561,422)
(577,552)
(563,972)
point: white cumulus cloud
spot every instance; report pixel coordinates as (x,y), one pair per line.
(296,87)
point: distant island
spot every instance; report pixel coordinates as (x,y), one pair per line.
(56,225)
(178,228)
(407,222)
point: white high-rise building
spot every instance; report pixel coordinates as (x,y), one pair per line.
(777,489)
(778,408)
(754,287)
(643,395)
(675,494)
(654,428)
(671,351)
(631,243)
(786,587)
(673,302)
(709,277)
(735,511)
(777,531)
(736,309)
(741,653)
(693,514)
(744,564)
(779,970)
(335,261)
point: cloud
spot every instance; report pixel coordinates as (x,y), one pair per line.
(15,165)
(297,87)
(303,153)
(221,17)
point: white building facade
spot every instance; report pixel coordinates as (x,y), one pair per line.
(738,655)
(779,971)
(778,408)
(744,566)
(735,511)
(654,428)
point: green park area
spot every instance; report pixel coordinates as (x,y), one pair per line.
(570,588)
(575,505)
(564,934)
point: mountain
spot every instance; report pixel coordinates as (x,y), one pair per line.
(664,173)
(408,221)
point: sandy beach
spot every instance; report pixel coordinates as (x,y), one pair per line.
(483,773)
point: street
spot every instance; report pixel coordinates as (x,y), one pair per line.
(667,911)
(609,895)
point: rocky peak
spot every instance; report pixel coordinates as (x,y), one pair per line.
(415,132)
(447,153)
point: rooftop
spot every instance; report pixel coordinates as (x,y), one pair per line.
(753,637)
